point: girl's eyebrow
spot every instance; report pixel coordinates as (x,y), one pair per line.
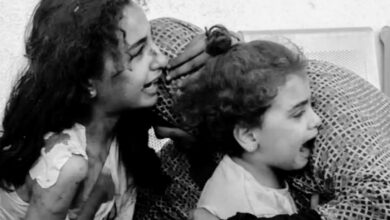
(300,104)
(136,44)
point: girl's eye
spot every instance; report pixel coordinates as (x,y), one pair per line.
(299,114)
(133,55)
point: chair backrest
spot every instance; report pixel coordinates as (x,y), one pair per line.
(351,48)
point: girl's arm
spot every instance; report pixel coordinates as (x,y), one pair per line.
(53,202)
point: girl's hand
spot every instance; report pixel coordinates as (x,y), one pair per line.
(192,59)
(179,136)
(201,214)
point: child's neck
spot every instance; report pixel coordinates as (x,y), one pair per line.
(262,173)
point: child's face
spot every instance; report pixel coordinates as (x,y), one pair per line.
(287,125)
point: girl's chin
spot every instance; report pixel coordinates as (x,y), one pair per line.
(151,101)
(305,152)
(146,102)
(301,163)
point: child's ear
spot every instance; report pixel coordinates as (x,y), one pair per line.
(245,137)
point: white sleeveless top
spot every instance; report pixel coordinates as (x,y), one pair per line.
(233,189)
(47,169)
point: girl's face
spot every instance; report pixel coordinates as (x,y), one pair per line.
(287,125)
(134,86)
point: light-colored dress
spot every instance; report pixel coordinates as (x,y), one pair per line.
(47,169)
(233,189)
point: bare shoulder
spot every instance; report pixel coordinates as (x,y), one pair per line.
(53,202)
(73,172)
(75,169)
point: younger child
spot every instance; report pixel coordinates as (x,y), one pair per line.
(252,102)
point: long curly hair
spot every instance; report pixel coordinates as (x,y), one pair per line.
(236,86)
(65,48)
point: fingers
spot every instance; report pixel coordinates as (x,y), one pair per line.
(172,133)
(314,201)
(190,66)
(181,138)
(181,84)
(194,48)
(192,58)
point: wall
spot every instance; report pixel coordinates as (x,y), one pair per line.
(236,14)
(14,16)
(276,14)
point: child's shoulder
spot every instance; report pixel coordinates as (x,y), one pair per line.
(75,169)
(227,178)
(224,192)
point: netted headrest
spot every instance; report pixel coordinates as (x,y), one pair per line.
(350,162)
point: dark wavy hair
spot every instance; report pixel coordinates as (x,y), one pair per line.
(236,86)
(65,48)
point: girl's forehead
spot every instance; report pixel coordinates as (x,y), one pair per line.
(134,24)
(295,90)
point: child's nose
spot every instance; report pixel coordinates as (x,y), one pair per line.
(315,120)
(159,60)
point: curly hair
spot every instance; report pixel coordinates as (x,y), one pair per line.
(65,48)
(236,86)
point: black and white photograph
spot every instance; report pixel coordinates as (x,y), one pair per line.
(194,110)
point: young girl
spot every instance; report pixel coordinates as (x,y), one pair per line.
(75,127)
(252,103)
